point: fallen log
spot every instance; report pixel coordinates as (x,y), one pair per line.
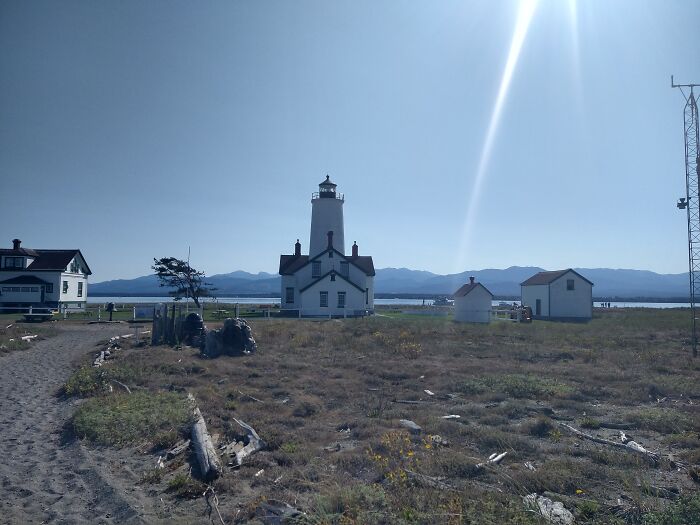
(494,459)
(28,337)
(209,462)
(177,449)
(254,442)
(629,445)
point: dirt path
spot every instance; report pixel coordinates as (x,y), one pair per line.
(45,477)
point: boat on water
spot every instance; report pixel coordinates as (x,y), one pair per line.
(442,301)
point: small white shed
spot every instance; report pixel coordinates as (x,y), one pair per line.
(562,294)
(473,303)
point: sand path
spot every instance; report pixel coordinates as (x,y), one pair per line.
(45,476)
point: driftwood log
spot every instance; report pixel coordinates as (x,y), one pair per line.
(209,462)
(632,446)
(254,442)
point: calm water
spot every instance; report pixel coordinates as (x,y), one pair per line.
(378,302)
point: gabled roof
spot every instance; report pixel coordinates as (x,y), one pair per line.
(290,264)
(550,277)
(332,272)
(22,252)
(465,289)
(24,279)
(46,259)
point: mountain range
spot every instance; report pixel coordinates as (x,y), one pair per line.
(609,283)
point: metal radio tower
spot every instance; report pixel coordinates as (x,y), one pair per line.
(691,202)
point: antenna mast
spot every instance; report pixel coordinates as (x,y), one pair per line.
(691,202)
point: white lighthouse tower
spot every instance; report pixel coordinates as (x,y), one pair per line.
(327,282)
(326,216)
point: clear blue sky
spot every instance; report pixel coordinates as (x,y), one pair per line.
(133,129)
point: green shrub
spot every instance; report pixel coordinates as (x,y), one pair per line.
(664,421)
(685,511)
(123,419)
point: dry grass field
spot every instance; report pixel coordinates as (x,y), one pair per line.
(328,397)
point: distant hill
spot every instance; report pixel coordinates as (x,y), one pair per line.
(609,283)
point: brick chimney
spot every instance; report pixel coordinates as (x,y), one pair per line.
(297,248)
(330,239)
(471,280)
(354,249)
(16,244)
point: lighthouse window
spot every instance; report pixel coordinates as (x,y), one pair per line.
(316,269)
(324,299)
(341,299)
(344,268)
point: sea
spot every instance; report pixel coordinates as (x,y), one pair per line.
(377,302)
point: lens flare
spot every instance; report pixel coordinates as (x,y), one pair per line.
(526,11)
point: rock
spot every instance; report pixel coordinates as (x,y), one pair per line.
(411,426)
(552,511)
(234,338)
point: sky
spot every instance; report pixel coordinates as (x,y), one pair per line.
(464,134)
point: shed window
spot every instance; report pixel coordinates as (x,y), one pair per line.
(289,295)
(316,269)
(569,284)
(324,299)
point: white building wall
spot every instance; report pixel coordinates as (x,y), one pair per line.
(529,295)
(310,298)
(576,303)
(475,307)
(289,281)
(326,215)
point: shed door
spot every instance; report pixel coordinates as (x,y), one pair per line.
(538,307)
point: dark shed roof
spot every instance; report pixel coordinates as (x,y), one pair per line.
(465,289)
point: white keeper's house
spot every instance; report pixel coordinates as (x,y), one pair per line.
(327,282)
(561,295)
(49,278)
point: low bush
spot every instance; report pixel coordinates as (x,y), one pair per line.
(124,419)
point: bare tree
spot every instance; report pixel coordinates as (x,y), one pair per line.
(178,274)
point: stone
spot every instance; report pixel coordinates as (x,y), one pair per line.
(234,338)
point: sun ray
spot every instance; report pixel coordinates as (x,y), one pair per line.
(526,11)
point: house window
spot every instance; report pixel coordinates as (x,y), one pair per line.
(330,254)
(34,289)
(316,269)
(333,276)
(341,299)
(65,286)
(80,289)
(366,295)
(324,299)
(49,288)
(26,289)
(569,284)
(14,262)
(344,268)
(289,295)
(74,267)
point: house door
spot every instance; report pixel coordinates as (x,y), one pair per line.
(538,307)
